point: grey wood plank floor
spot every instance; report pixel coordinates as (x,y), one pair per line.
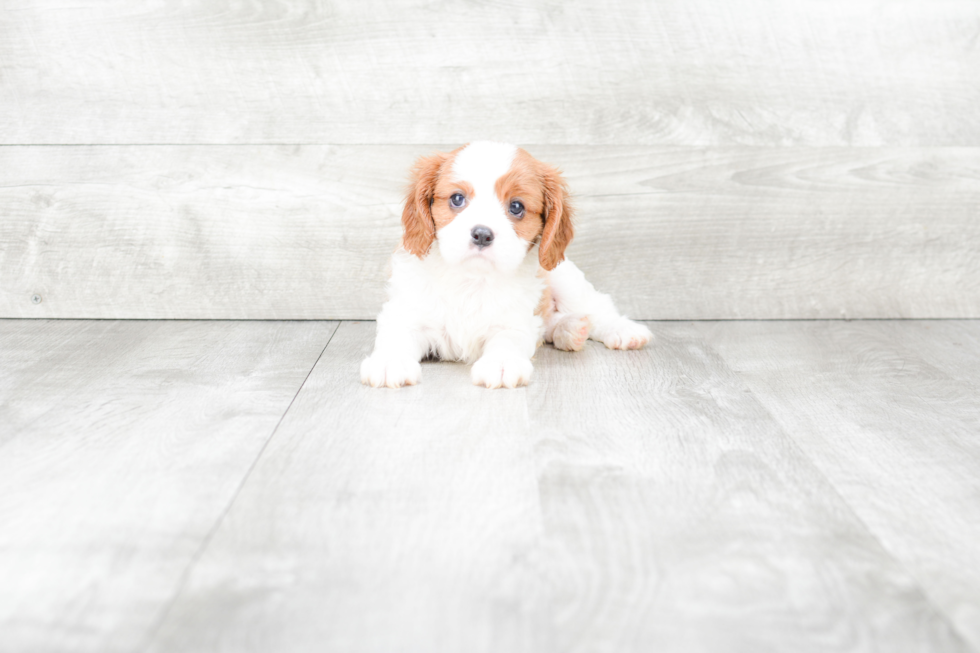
(121,444)
(890,414)
(737,486)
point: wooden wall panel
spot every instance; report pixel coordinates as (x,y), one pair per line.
(304,232)
(684,72)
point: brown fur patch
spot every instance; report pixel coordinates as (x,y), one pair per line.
(548,212)
(558,230)
(442,211)
(418,219)
(523,182)
(546,307)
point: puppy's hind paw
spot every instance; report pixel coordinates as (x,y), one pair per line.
(381,371)
(571,332)
(622,333)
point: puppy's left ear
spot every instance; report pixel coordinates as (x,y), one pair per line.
(420,228)
(558,231)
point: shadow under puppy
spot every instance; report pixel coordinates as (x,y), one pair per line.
(480,275)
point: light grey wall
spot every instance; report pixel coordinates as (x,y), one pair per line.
(739,159)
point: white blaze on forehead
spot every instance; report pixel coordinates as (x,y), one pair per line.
(482,163)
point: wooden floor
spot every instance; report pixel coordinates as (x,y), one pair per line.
(737,486)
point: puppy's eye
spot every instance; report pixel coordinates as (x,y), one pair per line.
(457,200)
(517,209)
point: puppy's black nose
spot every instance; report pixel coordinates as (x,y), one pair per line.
(482,236)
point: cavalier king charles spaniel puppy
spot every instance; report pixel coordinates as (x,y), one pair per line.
(480,275)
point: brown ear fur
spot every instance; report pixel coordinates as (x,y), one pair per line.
(558,231)
(420,228)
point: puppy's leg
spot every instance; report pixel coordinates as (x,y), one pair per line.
(397,352)
(575,295)
(506,360)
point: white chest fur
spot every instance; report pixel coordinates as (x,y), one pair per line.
(455,309)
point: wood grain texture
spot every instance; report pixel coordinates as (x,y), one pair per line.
(669,512)
(699,72)
(121,445)
(952,346)
(679,516)
(377,520)
(304,232)
(233,232)
(892,419)
(817,493)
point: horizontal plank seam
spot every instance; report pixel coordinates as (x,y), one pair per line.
(633,145)
(211,319)
(154,631)
(372,319)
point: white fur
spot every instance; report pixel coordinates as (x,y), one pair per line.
(477,306)
(481,164)
(574,295)
(457,312)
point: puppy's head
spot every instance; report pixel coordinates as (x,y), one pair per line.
(487,204)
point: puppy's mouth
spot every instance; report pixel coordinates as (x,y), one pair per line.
(480,255)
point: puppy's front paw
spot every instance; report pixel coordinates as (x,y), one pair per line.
(501,370)
(378,370)
(622,334)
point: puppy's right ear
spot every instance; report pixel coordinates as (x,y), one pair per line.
(420,228)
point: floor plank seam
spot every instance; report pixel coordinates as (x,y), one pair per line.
(871,533)
(161,620)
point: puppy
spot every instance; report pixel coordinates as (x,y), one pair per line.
(480,275)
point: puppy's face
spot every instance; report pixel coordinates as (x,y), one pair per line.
(487,204)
